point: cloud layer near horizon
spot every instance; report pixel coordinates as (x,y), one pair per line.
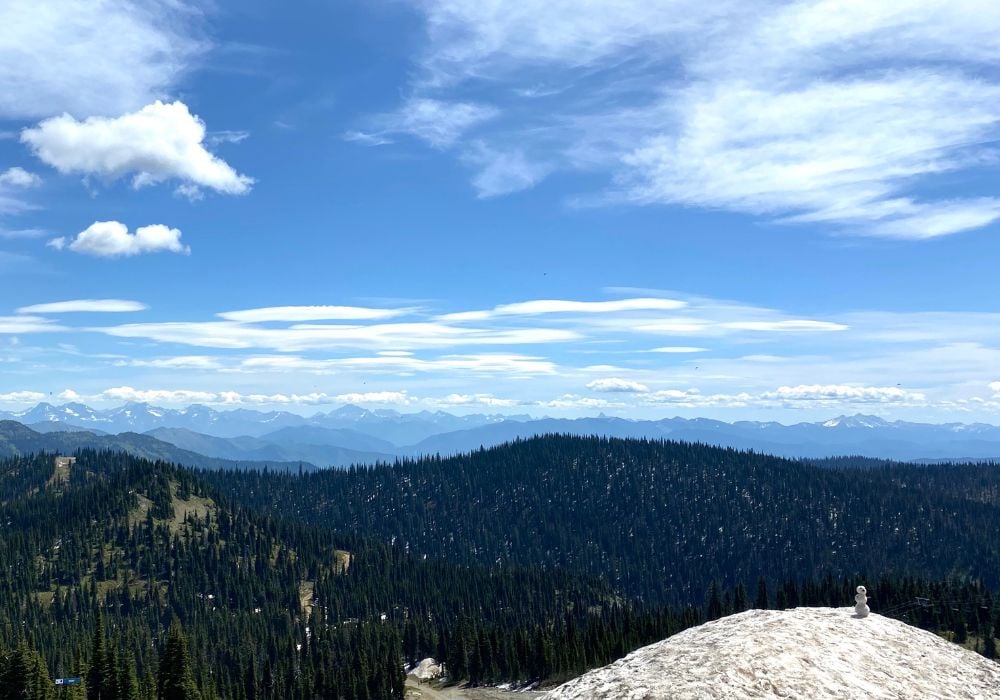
(564,355)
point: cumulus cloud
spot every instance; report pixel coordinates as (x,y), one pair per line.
(84,305)
(618,385)
(19,177)
(488,400)
(111,239)
(92,56)
(127,393)
(574,401)
(400,398)
(160,142)
(843,393)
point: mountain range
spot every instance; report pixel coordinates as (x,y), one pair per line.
(351,434)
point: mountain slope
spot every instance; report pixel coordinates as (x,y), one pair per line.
(273,608)
(660,520)
(17,439)
(263,449)
(817,653)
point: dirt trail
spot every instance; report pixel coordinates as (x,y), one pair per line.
(428,692)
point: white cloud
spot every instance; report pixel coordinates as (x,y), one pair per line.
(84,305)
(395,363)
(616,384)
(678,349)
(91,56)
(161,141)
(69,395)
(763,150)
(504,172)
(477,400)
(19,177)
(229,334)
(786,326)
(574,401)
(28,324)
(179,362)
(111,239)
(23,233)
(310,313)
(365,139)
(127,393)
(440,123)
(822,112)
(22,397)
(400,398)
(561,306)
(995,387)
(843,393)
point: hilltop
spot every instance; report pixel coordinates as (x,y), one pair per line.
(814,653)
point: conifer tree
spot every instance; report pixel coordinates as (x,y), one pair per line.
(175,680)
(761,600)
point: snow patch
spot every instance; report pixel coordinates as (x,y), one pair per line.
(814,653)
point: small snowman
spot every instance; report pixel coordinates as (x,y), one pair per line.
(861,602)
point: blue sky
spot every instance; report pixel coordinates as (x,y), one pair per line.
(739,210)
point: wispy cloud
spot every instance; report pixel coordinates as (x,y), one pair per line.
(28,324)
(440,123)
(90,57)
(84,305)
(19,177)
(311,313)
(564,355)
(841,114)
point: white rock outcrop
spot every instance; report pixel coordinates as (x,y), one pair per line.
(813,653)
(426,670)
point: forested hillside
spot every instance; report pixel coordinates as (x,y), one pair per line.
(272,608)
(659,520)
(17,439)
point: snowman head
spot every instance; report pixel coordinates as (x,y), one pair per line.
(862,590)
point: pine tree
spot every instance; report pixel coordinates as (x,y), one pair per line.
(175,680)
(740,598)
(761,601)
(713,608)
(99,676)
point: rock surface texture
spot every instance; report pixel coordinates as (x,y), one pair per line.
(812,653)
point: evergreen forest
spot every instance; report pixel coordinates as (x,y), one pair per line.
(525,563)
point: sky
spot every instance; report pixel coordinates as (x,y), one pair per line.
(769,210)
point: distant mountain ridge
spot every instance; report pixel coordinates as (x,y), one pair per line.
(352,434)
(398,428)
(17,439)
